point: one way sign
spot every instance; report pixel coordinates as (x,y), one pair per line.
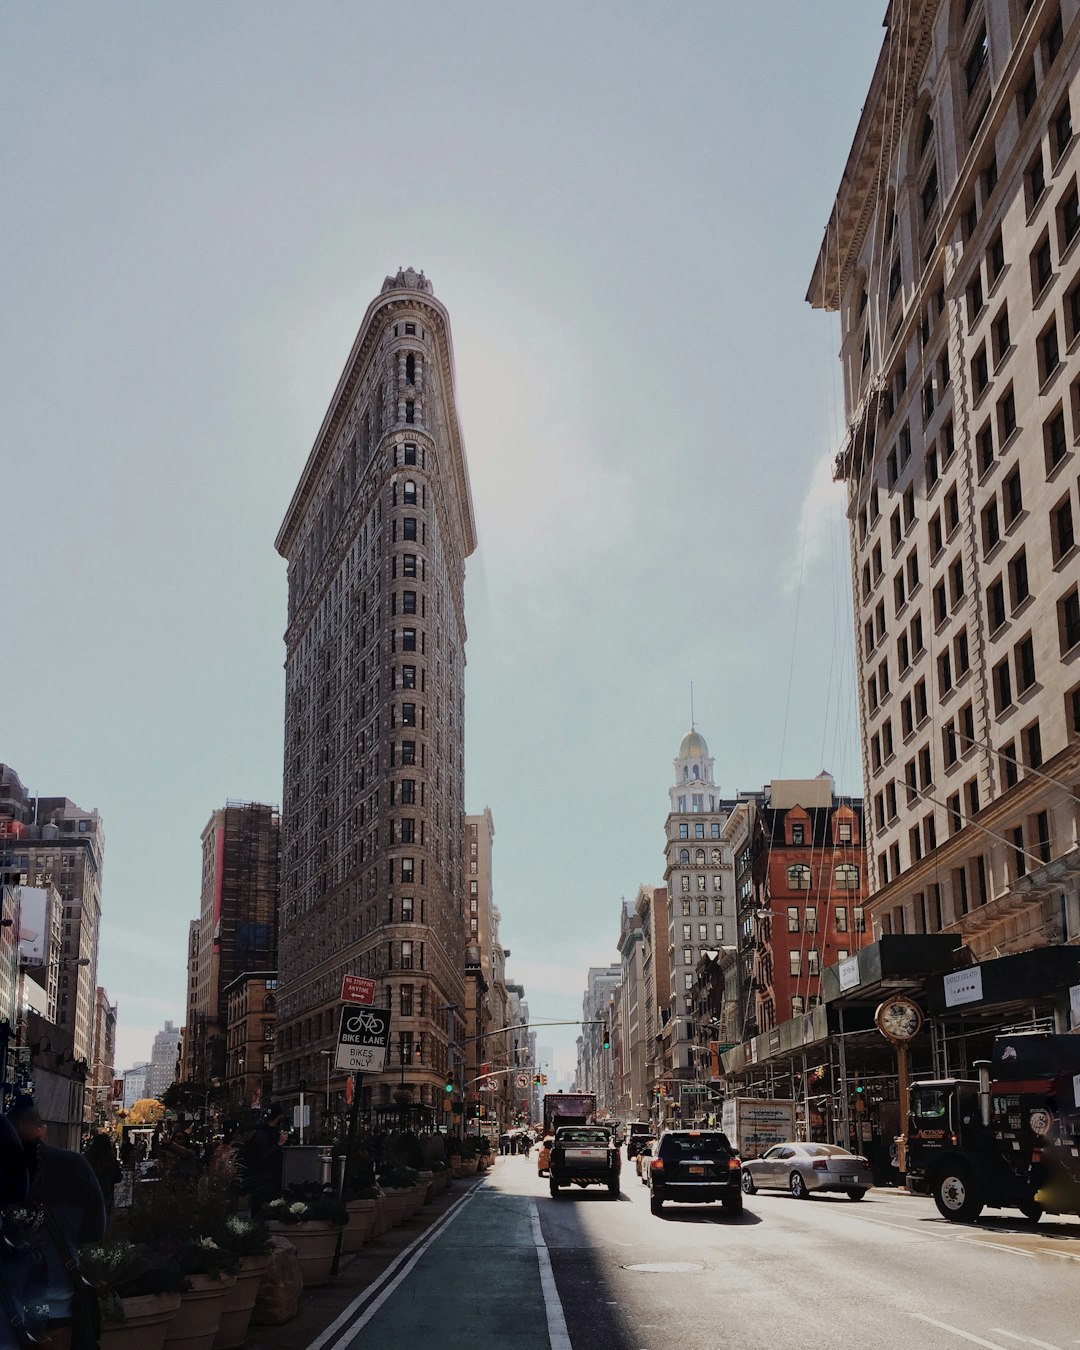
(363,1036)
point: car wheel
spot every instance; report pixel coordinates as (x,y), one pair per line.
(856,1193)
(733,1203)
(1031,1211)
(553,1187)
(656,1204)
(797,1186)
(749,1186)
(957,1196)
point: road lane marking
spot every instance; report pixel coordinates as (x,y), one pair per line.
(1027,1340)
(418,1246)
(558,1336)
(997,1246)
(964,1335)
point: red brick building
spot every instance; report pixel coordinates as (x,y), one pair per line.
(809,906)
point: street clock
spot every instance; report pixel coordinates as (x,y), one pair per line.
(899,1019)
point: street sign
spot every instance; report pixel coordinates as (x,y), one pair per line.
(693,1087)
(523,1080)
(363,1036)
(357,989)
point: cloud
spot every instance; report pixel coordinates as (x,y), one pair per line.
(821,513)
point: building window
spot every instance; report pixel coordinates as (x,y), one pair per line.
(1013,497)
(1069,620)
(813,962)
(798,877)
(1025,665)
(1054,440)
(688,956)
(1062,129)
(811,919)
(840,918)
(793,919)
(796,834)
(847,876)
(1061,529)
(795,963)
(406,956)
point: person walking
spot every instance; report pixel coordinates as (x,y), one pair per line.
(263,1159)
(63,1187)
(101,1155)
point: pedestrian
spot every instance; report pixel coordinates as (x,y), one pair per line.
(63,1187)
(101,1155)
(263,1159)
(504,1143)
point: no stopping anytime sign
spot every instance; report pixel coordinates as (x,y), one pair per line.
(363,1036)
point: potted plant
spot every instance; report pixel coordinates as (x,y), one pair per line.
(309,1216)
(398,1184)
(361,1199)
(138,1291)
(248,1240)
(211,1274)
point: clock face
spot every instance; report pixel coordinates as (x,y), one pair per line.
(899,1019)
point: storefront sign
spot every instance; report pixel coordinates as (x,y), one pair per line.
(848,972)
(963,986)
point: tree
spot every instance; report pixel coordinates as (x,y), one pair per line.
(146,1111)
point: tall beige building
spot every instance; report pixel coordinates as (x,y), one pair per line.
(951,257)
(376,538)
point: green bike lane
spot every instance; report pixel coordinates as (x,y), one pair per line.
(483,1279)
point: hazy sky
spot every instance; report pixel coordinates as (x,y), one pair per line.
(621,205)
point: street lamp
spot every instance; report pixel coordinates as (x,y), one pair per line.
(328,1055)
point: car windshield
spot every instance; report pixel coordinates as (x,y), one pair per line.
(704,1145)
(930,1103)
(826,1151)
(568,1135)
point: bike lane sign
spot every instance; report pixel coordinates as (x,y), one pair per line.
(363,1036)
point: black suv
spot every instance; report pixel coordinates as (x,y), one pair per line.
(696,1167)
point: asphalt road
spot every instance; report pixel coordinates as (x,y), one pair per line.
(513,1269)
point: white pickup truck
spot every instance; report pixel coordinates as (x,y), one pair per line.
(584,1155)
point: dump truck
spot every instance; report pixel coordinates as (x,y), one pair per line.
(755,1124)
(1008,1140)
(568,1108)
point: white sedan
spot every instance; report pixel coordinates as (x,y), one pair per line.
(804,1168)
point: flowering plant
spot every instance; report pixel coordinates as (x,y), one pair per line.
(243,1236)
(119,1270)
(305,1204)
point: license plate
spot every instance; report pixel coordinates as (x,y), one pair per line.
(697,1171)
(850,1180)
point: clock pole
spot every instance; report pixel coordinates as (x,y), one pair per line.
(902,1089)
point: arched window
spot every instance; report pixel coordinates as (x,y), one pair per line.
(798,877)
(269,1003)
(408,493)
(699,857)
(847,876)
(697,771)
(926,134)
(410,369)
(684,856)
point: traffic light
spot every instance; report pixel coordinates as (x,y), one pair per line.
(543,1080)
(536,1080)
(449,1085)
(607,1037)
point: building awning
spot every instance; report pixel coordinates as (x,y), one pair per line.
(1022,978)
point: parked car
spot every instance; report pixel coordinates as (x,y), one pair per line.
(642,1155)
(694,1167)
(543,1158)
(805,1168)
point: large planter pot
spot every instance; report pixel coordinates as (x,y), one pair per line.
(361,1222)
(146,1320)
(381,1222)
(239,1301)
(427,1182)
(199,1316)
(420,1195)
(315,1243)
(398,1204)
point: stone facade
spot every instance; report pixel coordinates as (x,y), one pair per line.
(376,539)
(952,259)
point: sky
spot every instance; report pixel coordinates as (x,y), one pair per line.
(621,205)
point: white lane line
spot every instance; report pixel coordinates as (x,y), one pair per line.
(418,1246)
(1064,1256)
(1026,1340)
(997,1246)
(964,1335)
(558,1336)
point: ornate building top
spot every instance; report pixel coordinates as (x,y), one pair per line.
(407,279)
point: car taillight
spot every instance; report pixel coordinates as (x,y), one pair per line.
(820,1165)
(734,1164)
(656,1165)
(1036,1155)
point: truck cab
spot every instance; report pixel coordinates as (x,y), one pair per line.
(1009,1140)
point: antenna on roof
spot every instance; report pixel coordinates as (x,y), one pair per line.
(692,723)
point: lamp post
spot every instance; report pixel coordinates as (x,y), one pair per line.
(328,1055)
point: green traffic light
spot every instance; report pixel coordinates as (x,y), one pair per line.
(449,1087)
